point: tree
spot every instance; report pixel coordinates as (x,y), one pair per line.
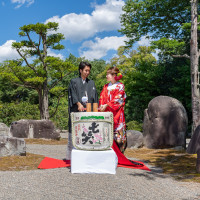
(154,19)
(168,21)
(194,65)
(140,82)
(36,69)
(98,66)
(140,74)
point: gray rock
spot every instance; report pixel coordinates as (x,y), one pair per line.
(165,123)
(64,134)
(4,129)
(34,129)
(12,146)
(178,148)
(194,147)
(134,139)
(194,144)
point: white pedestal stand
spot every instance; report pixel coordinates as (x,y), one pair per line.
(98,162)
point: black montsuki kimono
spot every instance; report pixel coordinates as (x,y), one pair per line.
(76,91)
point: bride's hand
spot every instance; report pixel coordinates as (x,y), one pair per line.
(103,107)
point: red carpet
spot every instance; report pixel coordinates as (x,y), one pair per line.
(48,163)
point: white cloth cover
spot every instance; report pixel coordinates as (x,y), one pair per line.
(97,162)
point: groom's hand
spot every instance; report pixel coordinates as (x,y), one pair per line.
(80,107)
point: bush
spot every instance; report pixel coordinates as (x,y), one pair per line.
(134,125)
(60,119)
(10,112)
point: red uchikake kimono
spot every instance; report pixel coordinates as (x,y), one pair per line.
(114,96)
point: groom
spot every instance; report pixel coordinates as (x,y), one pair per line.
(81,91)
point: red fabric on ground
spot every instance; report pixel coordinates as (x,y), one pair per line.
(124,162)
(48,163)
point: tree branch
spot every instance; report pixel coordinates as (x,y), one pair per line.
(31,40)
(16,74)
(56,106)
(39,41)
(26,61)
(37,48)
(24,85)
(181,56)
(56,82)
(167,14)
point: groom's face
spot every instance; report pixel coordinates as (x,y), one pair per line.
(85,72)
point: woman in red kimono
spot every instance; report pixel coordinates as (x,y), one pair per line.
(112,99)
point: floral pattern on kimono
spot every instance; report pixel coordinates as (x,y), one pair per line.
(114,96)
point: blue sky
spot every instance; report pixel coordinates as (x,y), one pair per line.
(90,26)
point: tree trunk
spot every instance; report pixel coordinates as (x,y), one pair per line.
(43,102)
(194,58)
(40,102)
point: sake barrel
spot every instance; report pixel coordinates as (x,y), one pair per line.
(92,130)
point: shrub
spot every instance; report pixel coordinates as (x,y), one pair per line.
(134,125)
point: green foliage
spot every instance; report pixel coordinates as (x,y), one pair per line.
(158,17)
(175,81)
(13,93)
(43,73)
(27,48)
(170,46)
(168,24)
(140,77)
(134,125)
(10,112)
(57,91)
(98,66)
(60,119)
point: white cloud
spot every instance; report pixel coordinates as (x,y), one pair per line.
(51,53)
(77,27)
(22,2)
(98,49)
(7,52)
(144,41)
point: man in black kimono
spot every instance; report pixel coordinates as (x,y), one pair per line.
(81,91)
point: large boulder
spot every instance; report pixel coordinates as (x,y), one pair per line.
(12,146)
(165,123)
(134,139)
(4,129)
(34,129)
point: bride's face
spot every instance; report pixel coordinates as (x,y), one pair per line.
(110,77)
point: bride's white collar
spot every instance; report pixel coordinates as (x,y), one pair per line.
(112,86)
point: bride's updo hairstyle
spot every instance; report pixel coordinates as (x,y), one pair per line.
(115,71)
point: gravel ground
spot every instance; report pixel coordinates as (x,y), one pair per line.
(61,184)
